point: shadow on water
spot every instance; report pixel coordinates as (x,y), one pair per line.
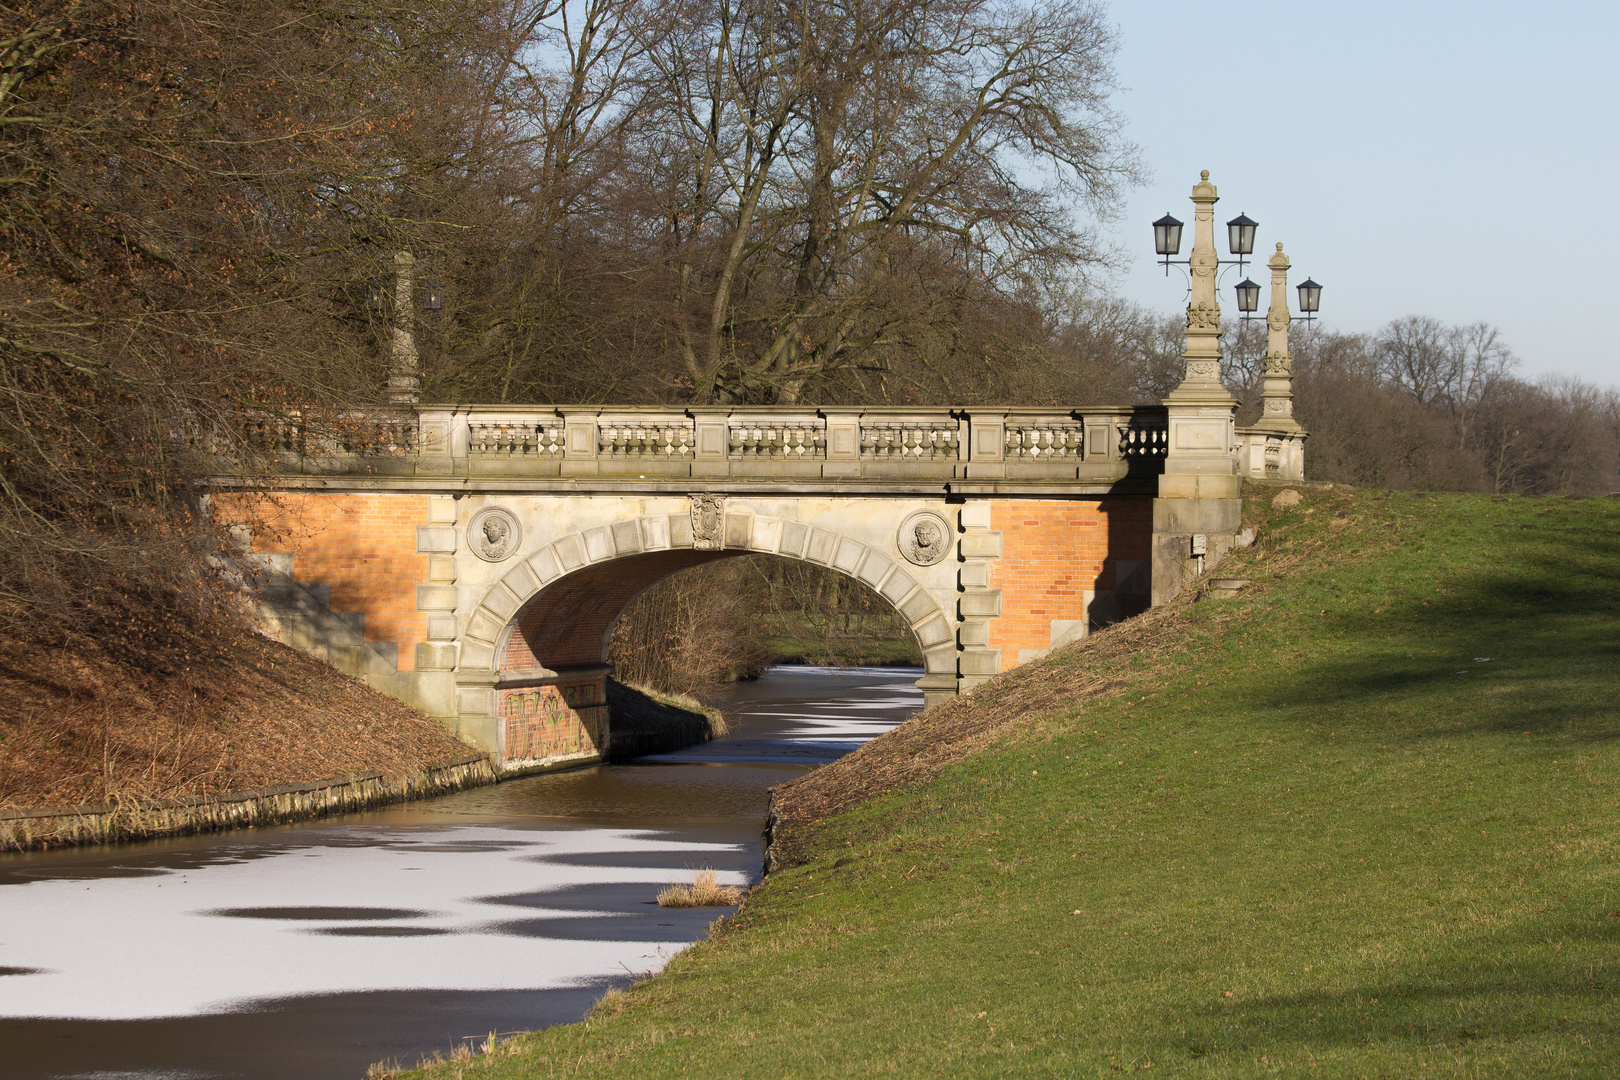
(325,1035)
(313,950)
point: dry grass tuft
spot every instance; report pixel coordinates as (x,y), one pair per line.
(718,728)
(704,891)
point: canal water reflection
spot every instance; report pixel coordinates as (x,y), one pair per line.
(313,950)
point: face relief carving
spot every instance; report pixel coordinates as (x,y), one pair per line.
(924,538)
(494,534)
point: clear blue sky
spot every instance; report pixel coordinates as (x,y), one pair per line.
(1458,160)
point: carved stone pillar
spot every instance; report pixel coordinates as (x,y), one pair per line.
(405,378)
(1198,504)
(1274,448)
(1277,412)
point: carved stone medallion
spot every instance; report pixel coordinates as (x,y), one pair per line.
(925,538)
(494,534)
(708,522)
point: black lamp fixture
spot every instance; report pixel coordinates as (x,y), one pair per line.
(1167,236)
(1310,298)
(1240,235)
(376,294)
(1248,297)
(433,296)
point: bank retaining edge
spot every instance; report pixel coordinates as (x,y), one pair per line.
(68,826)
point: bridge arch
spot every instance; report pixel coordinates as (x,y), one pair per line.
(546,621)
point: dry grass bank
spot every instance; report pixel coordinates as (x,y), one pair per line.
(82,724)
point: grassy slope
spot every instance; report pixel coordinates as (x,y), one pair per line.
(1314,835)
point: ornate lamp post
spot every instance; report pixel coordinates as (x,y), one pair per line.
(1199,510)
(1202,349)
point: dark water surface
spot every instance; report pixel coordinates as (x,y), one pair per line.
(313,950)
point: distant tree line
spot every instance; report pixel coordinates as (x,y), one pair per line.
(1419,404)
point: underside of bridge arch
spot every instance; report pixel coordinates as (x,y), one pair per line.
(567,625)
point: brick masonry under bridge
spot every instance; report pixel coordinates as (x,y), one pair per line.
(473,561)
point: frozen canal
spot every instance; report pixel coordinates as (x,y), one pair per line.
(313,950)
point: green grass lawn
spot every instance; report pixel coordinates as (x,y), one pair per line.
(1358,820)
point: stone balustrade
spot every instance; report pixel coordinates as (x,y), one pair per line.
(1100,445)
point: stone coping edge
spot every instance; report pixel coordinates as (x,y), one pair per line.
(67,826)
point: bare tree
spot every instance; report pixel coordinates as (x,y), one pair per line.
(813,162)
(191,195)
(1415,354)
(1453,368)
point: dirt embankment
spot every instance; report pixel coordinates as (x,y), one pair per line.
(81,724)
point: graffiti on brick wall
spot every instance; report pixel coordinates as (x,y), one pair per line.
(558,721)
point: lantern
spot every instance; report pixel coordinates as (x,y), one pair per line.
(1310,296)
(433,296)
(1240,235)
(1167,236)
(1248,296)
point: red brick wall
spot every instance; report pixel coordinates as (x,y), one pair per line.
(1052,552)
(361,544)
(568,720)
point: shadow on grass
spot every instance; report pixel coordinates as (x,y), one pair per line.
(1526,646)
(1493,998)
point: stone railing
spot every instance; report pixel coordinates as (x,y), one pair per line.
(538,440)
(1270,454)
(844,443)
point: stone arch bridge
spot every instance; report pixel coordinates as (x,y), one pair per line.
(475,565)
